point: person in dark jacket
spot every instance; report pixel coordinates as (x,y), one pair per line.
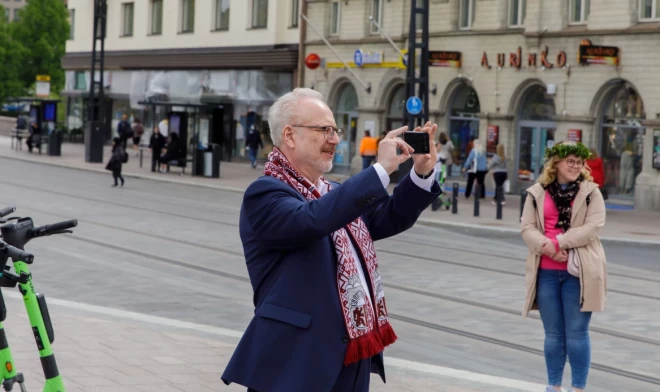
(174,150)
(35,136)
(156,144)
(253,142)
(124,130)
(116,160)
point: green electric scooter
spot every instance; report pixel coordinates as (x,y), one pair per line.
(8,371)
(17,233)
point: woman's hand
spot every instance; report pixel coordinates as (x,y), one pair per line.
(561,256)
(549,248)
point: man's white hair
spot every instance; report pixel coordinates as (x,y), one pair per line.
(286,109)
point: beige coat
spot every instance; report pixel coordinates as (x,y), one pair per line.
(586,221)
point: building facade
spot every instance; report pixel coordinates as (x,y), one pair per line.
(223,62)
(523,73)
(12,9)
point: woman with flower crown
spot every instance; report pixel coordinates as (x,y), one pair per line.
(566,271)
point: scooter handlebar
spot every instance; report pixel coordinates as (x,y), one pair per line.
(6,211)
(15,253)
(53,228)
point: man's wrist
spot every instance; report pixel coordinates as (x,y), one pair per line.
(424,175)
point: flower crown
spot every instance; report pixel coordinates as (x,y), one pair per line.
(565,149)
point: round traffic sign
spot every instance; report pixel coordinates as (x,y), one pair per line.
(414,105)
(312,61)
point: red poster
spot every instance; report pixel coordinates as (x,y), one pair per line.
(574,135)
(492,138)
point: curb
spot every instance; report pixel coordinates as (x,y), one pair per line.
(469,228)
(129,174)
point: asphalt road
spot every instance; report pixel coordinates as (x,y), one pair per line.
(174,251)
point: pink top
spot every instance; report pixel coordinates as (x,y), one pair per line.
(550,218)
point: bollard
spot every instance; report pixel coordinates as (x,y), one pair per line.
(523,198)
(499,195)
(141,150)
(476,199)
(454,198)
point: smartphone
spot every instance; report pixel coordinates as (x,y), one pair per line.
(418,141)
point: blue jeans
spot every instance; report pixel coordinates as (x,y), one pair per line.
(566,327)
(366,161)
(252,153)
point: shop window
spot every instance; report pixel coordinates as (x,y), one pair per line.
(466,14)
(346,117)
(536,130)
(127,19)
(377,15)
(463,125)
(579,11)
(622,141)
(649,10)
(517,9)
(259,14)
(156,17)
(335,17)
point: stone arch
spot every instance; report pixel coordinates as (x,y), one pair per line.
(603,95)
(337,82)
(388,86)
(520,93)
(450,92)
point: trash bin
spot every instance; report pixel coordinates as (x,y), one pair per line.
(55,143)
(208,161)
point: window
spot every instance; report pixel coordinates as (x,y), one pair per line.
(156,17)
(419,20)
(649,10)
(335,9)
(187,16)
(295,13)
(579,11)
(81,81)
(221,15)
(517,12)
(72,22)
(377,14)
(7,10)
(259,14)
(127,19)
(466,14)
(17,14)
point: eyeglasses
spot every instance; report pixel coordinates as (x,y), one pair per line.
(328,131)
(572,162)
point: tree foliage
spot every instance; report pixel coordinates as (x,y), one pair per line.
(42,31)
(11,56)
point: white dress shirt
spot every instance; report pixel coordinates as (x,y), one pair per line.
(425,184)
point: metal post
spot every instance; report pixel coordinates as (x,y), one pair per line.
(523,199)
(499,195)
(95,132)
(454,198)
(476,198)
(141,150)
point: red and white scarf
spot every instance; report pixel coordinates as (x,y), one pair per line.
(367,338)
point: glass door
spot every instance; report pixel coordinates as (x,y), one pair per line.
(532,144)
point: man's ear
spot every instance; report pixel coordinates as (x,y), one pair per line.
(288,137)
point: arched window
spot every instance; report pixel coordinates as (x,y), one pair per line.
(536,132)
(463,125)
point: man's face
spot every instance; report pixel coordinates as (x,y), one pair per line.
(312,153)
(124,117)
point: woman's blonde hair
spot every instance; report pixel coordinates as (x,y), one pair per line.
(549,174)
(500,151)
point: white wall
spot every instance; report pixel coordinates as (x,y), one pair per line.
(239,34)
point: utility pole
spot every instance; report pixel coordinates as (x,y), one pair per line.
(95,129)
(417,88)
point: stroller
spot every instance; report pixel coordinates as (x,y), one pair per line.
(441,175)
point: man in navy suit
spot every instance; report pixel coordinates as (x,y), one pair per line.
(321,321)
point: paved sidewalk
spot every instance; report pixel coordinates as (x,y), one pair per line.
(107,350)
(629,226)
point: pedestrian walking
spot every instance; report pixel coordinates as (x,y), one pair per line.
(476,165)
(320,321)
(498,166)
(368,149)
(156,144)
(253,142)
(566,270)
(117,159)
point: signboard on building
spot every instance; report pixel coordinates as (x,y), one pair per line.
(574,135)
(361,57)
(444,59)
(492,138)
(590,54)
(656,149)
(515,59)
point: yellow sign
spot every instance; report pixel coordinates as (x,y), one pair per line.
(387,64)
(43,78)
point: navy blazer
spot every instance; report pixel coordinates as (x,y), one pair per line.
(297,339)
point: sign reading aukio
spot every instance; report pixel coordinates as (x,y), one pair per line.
(515,59)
